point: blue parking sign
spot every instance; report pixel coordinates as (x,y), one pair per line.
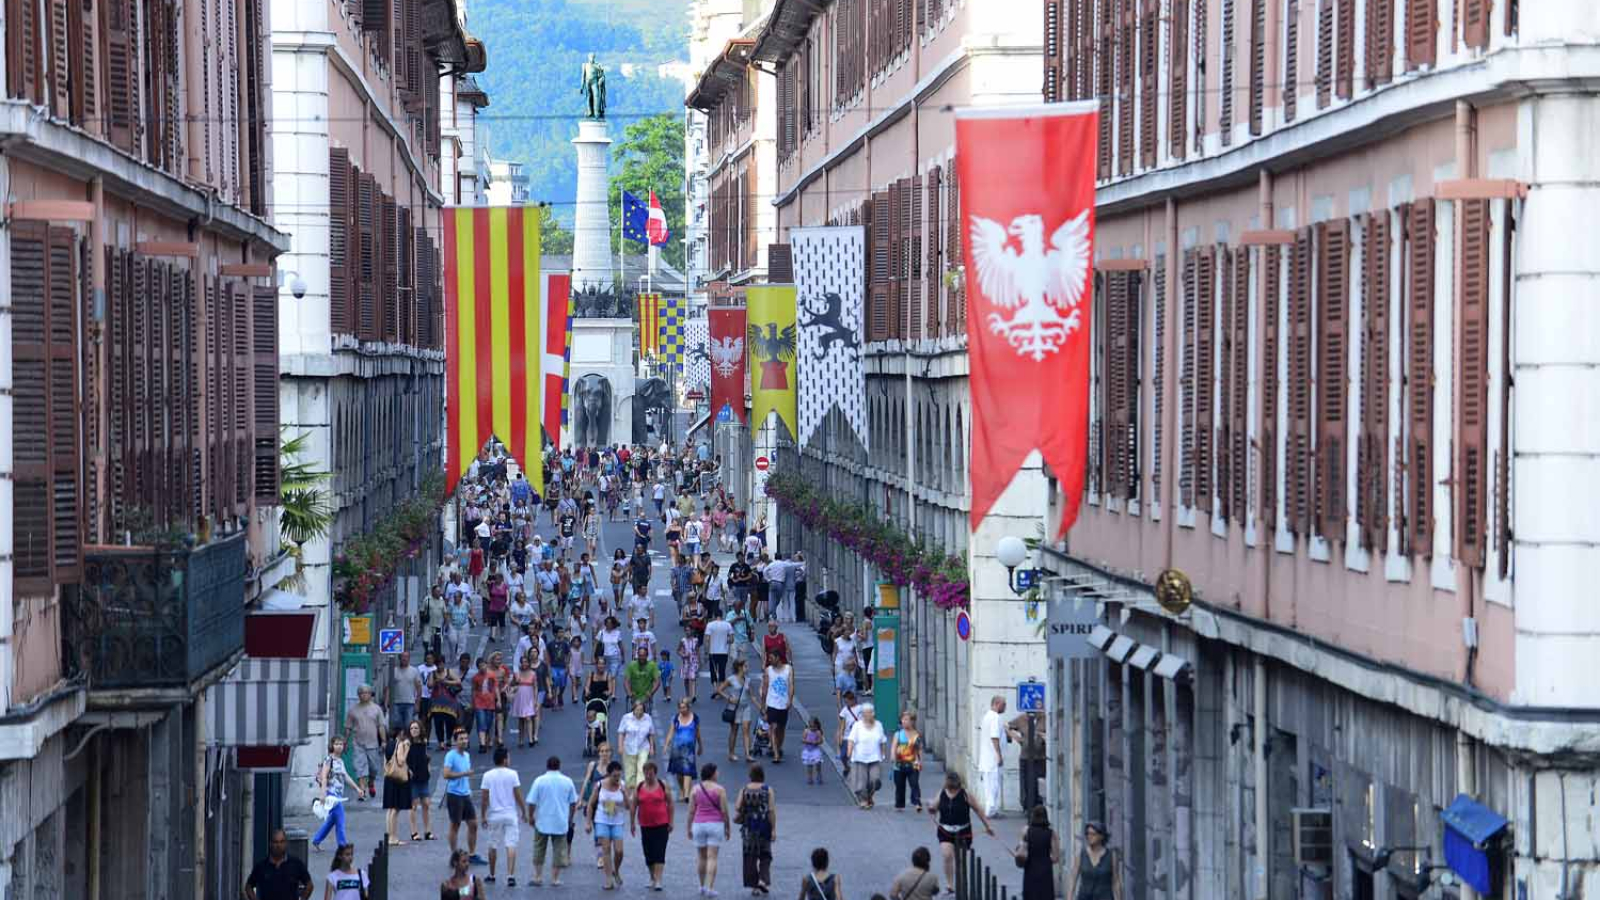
(1030,696)
(391,641)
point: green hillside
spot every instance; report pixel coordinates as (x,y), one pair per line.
(535,51)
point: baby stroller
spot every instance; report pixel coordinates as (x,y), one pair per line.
(595,719)
(760,738)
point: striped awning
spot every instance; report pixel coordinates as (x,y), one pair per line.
(267,703)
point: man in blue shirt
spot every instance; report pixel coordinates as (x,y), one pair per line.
(641,531)
(521,490)
(552,799)
(458,796)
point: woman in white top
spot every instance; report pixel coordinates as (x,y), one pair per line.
(780,693)
(346,881)
(609,808)
(637,734)
(865,743)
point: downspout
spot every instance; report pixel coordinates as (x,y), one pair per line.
(1467,583)
(1260,730)
(100,348)
(1467,783)
(194,94)
(1169,414)
(1267,542)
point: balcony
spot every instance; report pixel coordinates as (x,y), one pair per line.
(160,618)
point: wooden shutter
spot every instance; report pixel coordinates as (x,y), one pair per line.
(1105,61)
(1475,23)
(1512,11)
(1422,26)
(376,19)
(257,59)
(780,264)
(366,262)
(1206,339)
(1114,415)
(24,51)
(1149,86)
(1345,52)
(389,314)
(264,325)
(59,58)
(1419,374)
(956,321)
(1226,338)
(1324,52)
(1502,461)
(1297,485)
(1291,59)
(933,276)
(1333,307)
(1380,42)
(1372,460)
(1126,62)
(914,283)
(1258,64)
(899,238)
(82,29)
(879,218)
(1225,113)
(1472,416)
(1178,80)
(1187,377)
(1199,57)
(121,92)
(339,241)
(1239,398)
(1052,51)
(46,489)
(1158,377)
(1272,284)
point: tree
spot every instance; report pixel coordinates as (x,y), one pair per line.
(554,238)
(650,158)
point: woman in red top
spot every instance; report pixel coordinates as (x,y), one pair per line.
(476,565)
(652,812)
(485,699)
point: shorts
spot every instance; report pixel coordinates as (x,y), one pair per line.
(369,762)
(562,857)
(777,717)
(484,719)
(502,832)
(420,790)
(961,838)
(558,677)
(605,831)
(495,619)
(614,666)
(706,834)
(459,806)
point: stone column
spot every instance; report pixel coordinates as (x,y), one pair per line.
(591,233)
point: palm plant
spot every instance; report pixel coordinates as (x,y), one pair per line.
(304,513)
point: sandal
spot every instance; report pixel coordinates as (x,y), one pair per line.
(427,836)
(414,836)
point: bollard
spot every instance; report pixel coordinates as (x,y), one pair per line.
(299,842)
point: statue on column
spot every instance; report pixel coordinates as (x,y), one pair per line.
(594,88)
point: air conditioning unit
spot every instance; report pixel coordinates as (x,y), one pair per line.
(1313,836)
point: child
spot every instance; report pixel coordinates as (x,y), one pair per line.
(689,653)
(666,673)
(811,751)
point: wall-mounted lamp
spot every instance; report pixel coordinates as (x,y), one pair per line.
(1012,552)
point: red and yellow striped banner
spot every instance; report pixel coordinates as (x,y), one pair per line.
(492,347)
(649,324)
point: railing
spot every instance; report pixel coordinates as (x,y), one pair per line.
(156,617)
(976,881)
(378,873)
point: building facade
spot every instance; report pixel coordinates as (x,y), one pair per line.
(864,136)
(465,154)
(138,436)
(361,188)
(1336,381)
(507,183)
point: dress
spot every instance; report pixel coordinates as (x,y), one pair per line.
(811,748)
(683,760)
(396,793)
(689,653)
(1038,879)
(755,831)
(525,705)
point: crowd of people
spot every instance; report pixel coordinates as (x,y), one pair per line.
(532,570)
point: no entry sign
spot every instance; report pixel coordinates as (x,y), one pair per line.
(763,464)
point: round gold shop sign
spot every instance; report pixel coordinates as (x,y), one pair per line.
(1174,592)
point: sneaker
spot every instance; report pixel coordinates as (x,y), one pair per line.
(511,881)
(477,860)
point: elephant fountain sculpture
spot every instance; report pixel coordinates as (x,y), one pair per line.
(591,411)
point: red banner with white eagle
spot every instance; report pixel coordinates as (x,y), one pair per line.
(726,349)
(1027,226)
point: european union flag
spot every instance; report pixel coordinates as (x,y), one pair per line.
(635,216)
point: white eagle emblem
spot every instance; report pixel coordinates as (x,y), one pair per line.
(726,352)
(1046,283)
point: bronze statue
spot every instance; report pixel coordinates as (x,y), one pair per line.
(593,88)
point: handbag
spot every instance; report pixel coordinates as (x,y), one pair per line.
(396,770)
(1021,858)
(730,714)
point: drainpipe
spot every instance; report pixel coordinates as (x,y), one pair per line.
(1169,415)
(200,794)
(195,98)
(1263,280)
(1467,584)
(1262,835)
(1467,783)
(100,348)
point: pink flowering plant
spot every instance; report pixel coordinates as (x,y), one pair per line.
(899,557)
(367,563)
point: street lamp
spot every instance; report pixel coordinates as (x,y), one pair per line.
(1012,552)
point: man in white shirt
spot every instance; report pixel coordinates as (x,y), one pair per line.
(502,812)
(483,530)
(659,495)
(776,573)
(640,606)
(719,639)
(991,758)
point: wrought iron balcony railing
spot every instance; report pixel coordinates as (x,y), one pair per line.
(157,617)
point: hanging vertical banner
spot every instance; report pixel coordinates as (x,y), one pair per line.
(649,324)
(697,358)
(553,319)
(672,331)
(1027,228)
(566,365)
(830,277)
(774,354)
(492,335)
(726,347)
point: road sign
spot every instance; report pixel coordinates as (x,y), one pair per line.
(391,641)
(763,464)
(1030,696)
(963,626)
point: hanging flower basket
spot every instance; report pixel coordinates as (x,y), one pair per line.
(367,563)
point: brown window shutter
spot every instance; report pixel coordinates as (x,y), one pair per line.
(24,51)
(1472,419)
(1333,381)
(1149,48)
(780,264)
(339,263)
(1187,377)
(1297,487)
(424,286)
(1372,460)
(60,56)
(1422,26)
(33,472)
(1105,61)
(84,48)
(1206,339)
(899,245)
(1226,338)
(1270,305)
(1502,461)
(1239,359)
(1345,54)
(1380,42)
(1291,59)
(1324,52)
(933,275)
(1419,375)
(367,274)
(117,392)
(389,299)
(914,283)
(879,218)
(956,319)
(1258,65)
(121,94)
(244,402)
(1201,95)
(257,58)
(1073,49)
(1475,23)
(264,325)
(1126,61)
(1158,374)
(1178,80)
(1225,113)
(1112,295)
(1129,341)
(376,20)
(1052,50)
(407,266)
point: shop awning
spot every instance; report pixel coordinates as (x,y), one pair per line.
(267,703)
(1470,846)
